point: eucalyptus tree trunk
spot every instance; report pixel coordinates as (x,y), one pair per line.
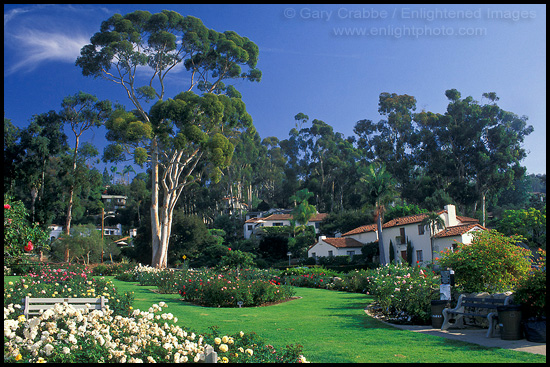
(71,194)
(161,216)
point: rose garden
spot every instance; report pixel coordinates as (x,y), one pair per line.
(125,333)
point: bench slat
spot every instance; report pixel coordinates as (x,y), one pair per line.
(33,306)
(483,300)
(95,306)
(478,305)
(68,300)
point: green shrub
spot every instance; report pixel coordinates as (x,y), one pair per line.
(21,238)
(491,263)
(531,291)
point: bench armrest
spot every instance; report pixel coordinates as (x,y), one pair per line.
(459,307)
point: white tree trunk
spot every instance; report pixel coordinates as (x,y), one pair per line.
(161,217)
(383,260)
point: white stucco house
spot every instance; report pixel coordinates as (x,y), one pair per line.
(399,230)
(340,246)
(55,231)
(275,220)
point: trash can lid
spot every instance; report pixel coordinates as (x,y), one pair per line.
(509,308)
(440,301)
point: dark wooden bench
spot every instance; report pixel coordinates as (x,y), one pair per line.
(471,306)
(34,306)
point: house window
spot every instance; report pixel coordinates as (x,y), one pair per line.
(402,233)
(420,229)
(250,227)
(313,255)
(278,224)
(350,253)
(419,256)
(330,253)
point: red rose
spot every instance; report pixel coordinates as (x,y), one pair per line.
(229,248)
(7,206)
(29,247)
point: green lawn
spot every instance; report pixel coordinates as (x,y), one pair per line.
(331,326)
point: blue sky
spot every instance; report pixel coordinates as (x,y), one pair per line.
(330,62)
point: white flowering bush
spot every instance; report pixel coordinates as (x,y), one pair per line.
(64,334)
(405,293)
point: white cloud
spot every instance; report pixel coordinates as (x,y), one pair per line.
(46,32)
(35,47)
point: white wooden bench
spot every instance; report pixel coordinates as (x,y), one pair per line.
(471,306)
(34,306)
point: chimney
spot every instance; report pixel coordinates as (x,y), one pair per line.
(451,216)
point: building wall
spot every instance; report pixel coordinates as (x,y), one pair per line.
(365,237)
(322,248)
(419,242)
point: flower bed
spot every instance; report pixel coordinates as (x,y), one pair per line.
(74,281)
(66,335)
(207,287)
(403,293)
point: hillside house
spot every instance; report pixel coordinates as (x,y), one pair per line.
(399,230)
(114,201)
(277,220)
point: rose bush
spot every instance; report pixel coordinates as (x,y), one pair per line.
(20,237)
(66,335)
(74,281)
(405,293)
(214,288)
(492,263)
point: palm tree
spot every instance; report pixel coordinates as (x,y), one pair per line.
(303,210)
(380,190)
(433,222)
(127,170)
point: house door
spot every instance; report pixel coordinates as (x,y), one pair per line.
(404,255)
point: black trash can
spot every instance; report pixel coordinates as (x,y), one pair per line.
(534,329)
(509,320)
(437,312)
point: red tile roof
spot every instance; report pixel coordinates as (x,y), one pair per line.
(362,229)
(254,220)
(273,217)
(411,219)
(464,220)
(342,242)
(458,230)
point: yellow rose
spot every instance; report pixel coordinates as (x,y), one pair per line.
(224,348)
(217,340)
(225,360)
(249,351)
(19,356)
(225,339)
(21,318)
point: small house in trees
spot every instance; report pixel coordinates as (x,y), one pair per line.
(278,220)
(340,246)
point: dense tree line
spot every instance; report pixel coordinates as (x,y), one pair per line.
(440,163)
